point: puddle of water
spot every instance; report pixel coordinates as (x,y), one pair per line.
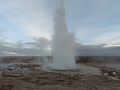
(83,69)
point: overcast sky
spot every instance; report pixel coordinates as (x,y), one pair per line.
(92,21)
(26,26)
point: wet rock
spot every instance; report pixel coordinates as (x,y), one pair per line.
(11,73)
(113,78)
(110,72)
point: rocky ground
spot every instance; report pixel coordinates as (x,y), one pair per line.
(28,77)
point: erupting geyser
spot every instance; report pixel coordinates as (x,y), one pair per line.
(63,42)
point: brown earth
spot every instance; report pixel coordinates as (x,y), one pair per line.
(27,77)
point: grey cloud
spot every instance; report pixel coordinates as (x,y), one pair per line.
(97,50)
(29,48)
(40,47)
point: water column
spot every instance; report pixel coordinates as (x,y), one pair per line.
(63,42)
